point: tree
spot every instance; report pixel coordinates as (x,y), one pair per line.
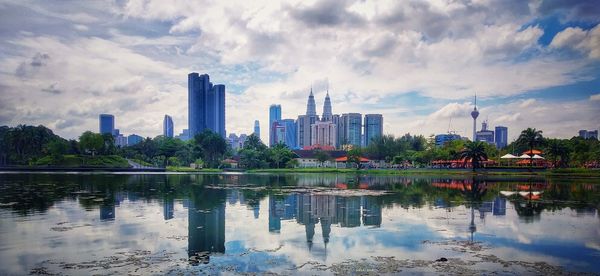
(558,152)
(212,146)
(57,149)
(474,151)
(532,138)
(280,154)
(92,142)
(253,142)
(321,156)
(252,159)
(354,156)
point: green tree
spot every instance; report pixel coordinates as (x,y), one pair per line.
(321,156)
(558,152)
(212,146)
(531,138)
(92,142)
(280,154)
(354,156)
(474,151)
(57,149)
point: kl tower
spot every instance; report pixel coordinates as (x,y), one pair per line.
(475,114)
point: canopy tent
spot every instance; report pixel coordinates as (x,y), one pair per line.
(508,156)
(524,156)
(537,157)
(530,152)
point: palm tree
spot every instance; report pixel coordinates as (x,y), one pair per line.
(531,138)
(557,150)
(474,151)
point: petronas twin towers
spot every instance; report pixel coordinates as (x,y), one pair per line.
(311,107)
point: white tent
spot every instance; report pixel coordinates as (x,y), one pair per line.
(508,156)
(524,156)
(537,157)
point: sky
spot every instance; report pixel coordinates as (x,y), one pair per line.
(419,63)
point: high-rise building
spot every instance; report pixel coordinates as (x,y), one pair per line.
(168,126)
(373,127)
(442,139)
(184,135)
(475,114)
(311,107)
(485,134)
(304,122)
(324,134)
(107,123)
(588,134)
(206,105)
(120,141)
(290,133)
(257,128)
(327,113)
(351,128)
(274,116)
(501,136)
(134,139)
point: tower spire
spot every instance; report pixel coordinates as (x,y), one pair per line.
(474,115)
(311,109)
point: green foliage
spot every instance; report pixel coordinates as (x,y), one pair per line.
(475,151)
(212,147)
(279,155)
(321,156)
(91,142)
(354,156)
(24,144)
(74,161)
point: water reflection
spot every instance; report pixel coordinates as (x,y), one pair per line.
(210,218)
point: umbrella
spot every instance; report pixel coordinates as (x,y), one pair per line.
(524,156)
(508,156)
(537,157)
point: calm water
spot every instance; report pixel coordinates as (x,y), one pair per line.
(308,224)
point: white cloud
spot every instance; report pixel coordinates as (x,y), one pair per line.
(595,97)
(587,42)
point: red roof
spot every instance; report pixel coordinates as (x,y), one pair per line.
(345,159)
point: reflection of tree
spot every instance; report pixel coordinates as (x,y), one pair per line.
(529,210)
(206,223)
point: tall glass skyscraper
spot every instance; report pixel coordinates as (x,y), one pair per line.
(327,113)
(501,136)
(206,105)
(168,126)
(351,124)
(107,123)
(274,116)
(290,133)
(257,128)
(373,127)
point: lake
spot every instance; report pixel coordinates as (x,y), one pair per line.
(141,224)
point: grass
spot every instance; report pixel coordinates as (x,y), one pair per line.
(75,161)
(188,169)
(142,162)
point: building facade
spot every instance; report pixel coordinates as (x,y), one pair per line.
(256,129)
(206,105)
(168,126)
(324,134)
(107,124)
(501,136)
(588,134)
(134,139)
(373,127)
(274,116)
(290,133)
(351,128)
(485,135)
(442,139)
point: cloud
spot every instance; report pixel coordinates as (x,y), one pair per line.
(587,42)
(595,97)
(52,89)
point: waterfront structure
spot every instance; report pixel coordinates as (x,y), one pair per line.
(324,134)
(206,105)
(351,126)
(256,129)
(168,126)
(290,133)
(373,127)
(274,116)
(474,115)
(442,139)
(501,136)
(134,139)
(107,123)
(485,134)
(588,134)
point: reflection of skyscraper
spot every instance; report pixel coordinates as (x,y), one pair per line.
(168,208)
(276,209)
(206,223)
(371,212)
(306,217)
(499,206)
(348,211)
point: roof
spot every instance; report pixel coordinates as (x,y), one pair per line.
(310,154)
(345,159)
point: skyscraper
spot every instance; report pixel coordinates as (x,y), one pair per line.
(168,126)
(327,113)
(304,122)
(475,114)
(351,124)
(311,107)
(206,105)
(257,129)
(274,116)
(290,133)
(501,137)
(485,134)
(107,123)
(134,139)
(373,127)
(324,134)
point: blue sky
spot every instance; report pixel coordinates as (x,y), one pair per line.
(419,63)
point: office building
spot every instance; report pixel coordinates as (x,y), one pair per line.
(373,127)
(501,137)
(350,132)
(327,113)
(168,126)
(256,129)
(184,135)
(274,116)
(442,139)
(324,134)
(120,140)
(206,105)
(588,134)
(107,123)
(484,134)
(134,139)
(290,133)
(304,122)
(277,133)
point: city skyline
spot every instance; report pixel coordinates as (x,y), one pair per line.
(524,61)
